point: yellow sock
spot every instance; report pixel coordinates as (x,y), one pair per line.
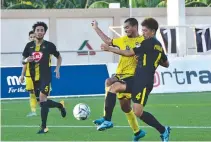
(132,120)
(33,102)
(106,91)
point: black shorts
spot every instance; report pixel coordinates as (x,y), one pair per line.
(45,86)
(37,88)
(141,89)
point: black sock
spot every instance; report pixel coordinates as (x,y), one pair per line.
(149,119)
(110,102)
(44,113)
(52,104)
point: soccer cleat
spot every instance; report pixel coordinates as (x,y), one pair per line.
(42,131)
(99,121)
(165,135)
(140,135)
(63,111)
(105,125)
(31,114)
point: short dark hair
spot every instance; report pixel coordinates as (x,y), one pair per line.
(150,23)
(31,32)
(40,24)
(132,21)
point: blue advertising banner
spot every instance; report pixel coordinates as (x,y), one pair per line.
(74,80)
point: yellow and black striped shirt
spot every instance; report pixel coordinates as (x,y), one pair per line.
(41,66)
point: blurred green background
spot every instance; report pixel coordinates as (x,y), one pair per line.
(71,4)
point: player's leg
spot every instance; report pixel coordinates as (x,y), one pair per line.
(110,99)
(33,104)
(110,102)
(139,97)
(45,104)
(125,102)
(33,101)
(113,90)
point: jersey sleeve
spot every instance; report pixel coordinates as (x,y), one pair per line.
(164,57)
(117,42)
(145,47)
(54,51)
(26,51)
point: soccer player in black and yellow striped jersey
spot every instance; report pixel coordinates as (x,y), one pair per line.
(124,74)
(34,95)
(38,54)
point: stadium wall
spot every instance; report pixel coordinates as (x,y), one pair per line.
(71,29)
(185,74)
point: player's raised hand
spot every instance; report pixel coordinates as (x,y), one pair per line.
(57,73)
(94,24)
(105,47)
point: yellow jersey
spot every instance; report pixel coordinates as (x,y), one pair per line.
(127,65)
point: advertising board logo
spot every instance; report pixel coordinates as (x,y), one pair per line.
(37,56)
(181,77)
(156,79)
(14,85)
(82,47)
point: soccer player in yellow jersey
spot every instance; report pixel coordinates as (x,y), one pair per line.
(29,83)
(124,74)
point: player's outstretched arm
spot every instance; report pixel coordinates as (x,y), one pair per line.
(128,53)
(104,37)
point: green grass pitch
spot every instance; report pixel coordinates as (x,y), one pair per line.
(189,115)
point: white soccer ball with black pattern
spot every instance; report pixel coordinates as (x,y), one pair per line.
(81,111)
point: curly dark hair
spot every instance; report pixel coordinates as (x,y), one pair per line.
(40,24)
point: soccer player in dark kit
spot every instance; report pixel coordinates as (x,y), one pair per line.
(38,54)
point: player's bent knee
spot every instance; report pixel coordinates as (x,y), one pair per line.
(110,81)
(138,109)
(117,87)
(138,113)
(42,97)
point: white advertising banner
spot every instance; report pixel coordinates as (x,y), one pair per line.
(185,74)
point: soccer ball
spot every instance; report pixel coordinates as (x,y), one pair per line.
(81,111)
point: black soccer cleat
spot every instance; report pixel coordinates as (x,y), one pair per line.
(42,131)
(63,110)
